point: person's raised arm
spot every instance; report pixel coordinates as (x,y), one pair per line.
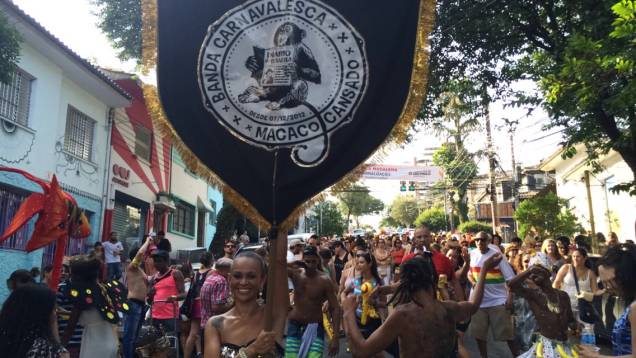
(379,340)
(465,309)
(140,253)
(560,276)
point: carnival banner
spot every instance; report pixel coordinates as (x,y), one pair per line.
(403,172)
(280,99)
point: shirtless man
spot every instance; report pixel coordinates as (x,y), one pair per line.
(551,309)
(311,289)
(424,326)
(137,284)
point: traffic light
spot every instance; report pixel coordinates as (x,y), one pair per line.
(411,186)
(402,186)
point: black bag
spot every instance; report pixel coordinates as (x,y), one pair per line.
(587,311)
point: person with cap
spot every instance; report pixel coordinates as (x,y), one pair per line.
(167,287)
(162,243)
(215,293)
(551,308)
(295,252)
(312,288)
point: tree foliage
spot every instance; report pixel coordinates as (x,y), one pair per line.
(10,44)
(580,53)
(333,223)
(474,226)
(434,218)
(229,222)
(404,210)
(546,216)
(121,22)
(356,200)
(459,170)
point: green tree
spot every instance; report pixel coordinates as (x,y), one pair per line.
(230,221)
(434,218)
(331,217)
(356,200)
(459,170)
(580,53)
(121,21)
(10,44)
(547,216)
(388,221)
(404,210)
(474,226)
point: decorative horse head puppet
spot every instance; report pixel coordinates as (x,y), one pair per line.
(59,218)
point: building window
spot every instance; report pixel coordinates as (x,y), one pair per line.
(78,138)
(9,204)
(15,98)
(143,142)
(183,219)
(212,219)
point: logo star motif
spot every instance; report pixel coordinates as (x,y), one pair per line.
(333,26)
(237,120)
(349,50)
(249,128)
(226,108)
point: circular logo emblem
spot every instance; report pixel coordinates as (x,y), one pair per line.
(283,74)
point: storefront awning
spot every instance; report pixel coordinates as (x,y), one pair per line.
(204,205)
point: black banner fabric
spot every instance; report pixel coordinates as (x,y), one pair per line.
(319,82)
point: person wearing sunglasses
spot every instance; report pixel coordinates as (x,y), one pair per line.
(493,312)
(229,249)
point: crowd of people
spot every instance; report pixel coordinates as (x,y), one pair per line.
(406,296)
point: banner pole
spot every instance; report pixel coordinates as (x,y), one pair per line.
(274,242)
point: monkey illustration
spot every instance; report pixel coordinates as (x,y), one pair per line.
(288,66)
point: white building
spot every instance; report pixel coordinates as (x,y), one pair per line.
(54,119)
(611,212)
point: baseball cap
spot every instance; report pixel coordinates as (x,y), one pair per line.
(296,242)
(161,253)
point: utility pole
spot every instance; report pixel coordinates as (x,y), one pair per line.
(512,128)
(591,209)
(491,160)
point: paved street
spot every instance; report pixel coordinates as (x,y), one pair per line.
(496,349)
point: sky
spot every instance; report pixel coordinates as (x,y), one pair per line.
(84,37)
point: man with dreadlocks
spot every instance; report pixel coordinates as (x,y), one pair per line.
(424,326)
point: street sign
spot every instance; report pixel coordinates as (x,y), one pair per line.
(403,173)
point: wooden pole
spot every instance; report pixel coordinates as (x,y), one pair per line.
(278,238)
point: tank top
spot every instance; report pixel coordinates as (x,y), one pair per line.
(622,335)
(569,286)
(164,288)
(339,265)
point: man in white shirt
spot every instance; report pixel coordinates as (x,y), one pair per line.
(492,312)
(112,252)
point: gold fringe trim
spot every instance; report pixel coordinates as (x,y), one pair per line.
(398,135)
